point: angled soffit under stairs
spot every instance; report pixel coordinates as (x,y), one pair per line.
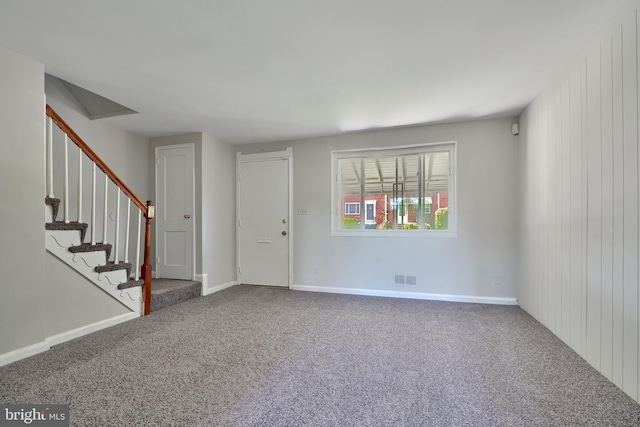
(96,106)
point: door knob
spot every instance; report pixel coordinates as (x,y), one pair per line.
(187,216)
(284,233)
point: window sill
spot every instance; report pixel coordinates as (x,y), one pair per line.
(417,234)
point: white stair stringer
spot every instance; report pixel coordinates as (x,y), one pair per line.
(58,243)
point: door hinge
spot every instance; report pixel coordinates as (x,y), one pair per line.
(239,223)
(158,260)
(157,160)
(239,176)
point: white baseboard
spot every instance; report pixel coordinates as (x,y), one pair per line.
(41,347)
(214,289)
(94,327)
(23,353)
(409,295)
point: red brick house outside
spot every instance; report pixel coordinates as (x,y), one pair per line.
(374,209)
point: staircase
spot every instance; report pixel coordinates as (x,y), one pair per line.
(113,263)
(65,241)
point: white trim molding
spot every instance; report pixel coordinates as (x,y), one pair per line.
(88,329)
(408,295)
(41,347)
(23,353)
(208,291)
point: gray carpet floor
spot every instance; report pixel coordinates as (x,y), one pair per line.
(256,356)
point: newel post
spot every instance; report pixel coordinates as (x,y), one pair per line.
(146,266)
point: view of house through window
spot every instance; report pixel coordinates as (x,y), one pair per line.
(395,189)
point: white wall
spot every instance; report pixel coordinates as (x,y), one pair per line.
(579,204)
(22,252)
(218,212)
(463,266)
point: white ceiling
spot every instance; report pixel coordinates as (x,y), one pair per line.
(258,70)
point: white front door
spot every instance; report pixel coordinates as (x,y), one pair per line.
(174,212)
(263,219)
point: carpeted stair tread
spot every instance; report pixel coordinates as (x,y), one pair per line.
(111,266)
(55,204)
(88,247)
(167,292)
(61,225)
(131,283)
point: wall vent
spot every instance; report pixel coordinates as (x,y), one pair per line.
(411,280)
(399,279)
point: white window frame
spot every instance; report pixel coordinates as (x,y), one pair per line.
(351,204)
(336,204)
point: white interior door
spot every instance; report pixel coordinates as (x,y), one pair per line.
(263,219)
(174,212)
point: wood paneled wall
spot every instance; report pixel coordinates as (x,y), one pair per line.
(579,159)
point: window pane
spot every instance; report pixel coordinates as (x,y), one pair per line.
(436,190)
(379,176)
(349,170)
(406,212)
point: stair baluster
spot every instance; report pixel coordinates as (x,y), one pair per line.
(66,178)
(116,245)
(105,214)
(137,267)
(50,156)
(93,204)
(126,234)
(79,184)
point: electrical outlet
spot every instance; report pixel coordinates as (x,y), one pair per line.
(497,280)
(303,211)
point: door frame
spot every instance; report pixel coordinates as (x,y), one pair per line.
(261,157)
(194,214)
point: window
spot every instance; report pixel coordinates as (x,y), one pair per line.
(404,190)
(352,208)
